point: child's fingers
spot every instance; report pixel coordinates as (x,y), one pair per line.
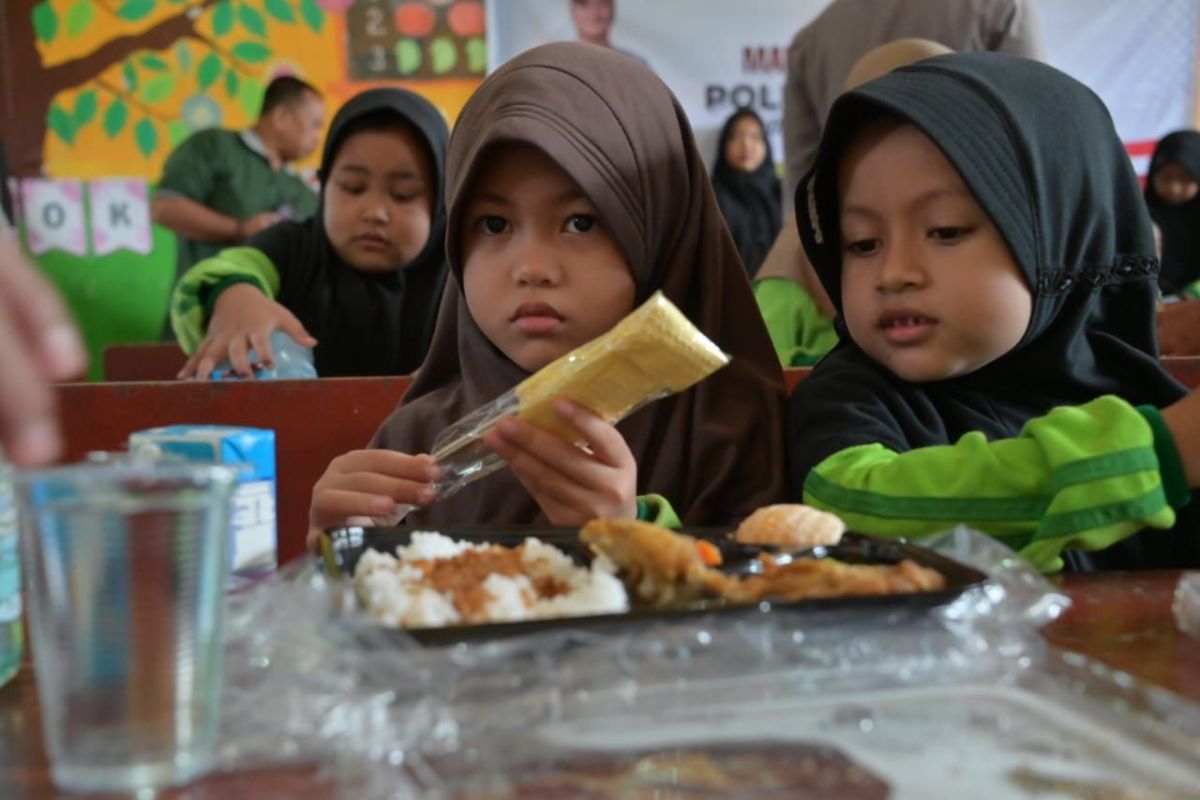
(39,316)
(605,441)
(239,356)
(292,326)
(27,409)
(260,341)
(206,357)
(401,490)
(189,367)
(558,497)
(333,506)
(421,468)
(525,443)
(547,465)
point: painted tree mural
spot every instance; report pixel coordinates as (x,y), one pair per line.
(131,78)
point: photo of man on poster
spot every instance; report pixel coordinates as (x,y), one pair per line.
(593,21)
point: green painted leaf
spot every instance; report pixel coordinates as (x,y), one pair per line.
(280,10)
(157,89)
(115,117)
(222,18)
(154,62)
(208,71)
(177,132)
(183,56)
(146,135)
(253,52)
(134,10)
(252,20)
(79,16)
(313,15)
(131,76)
(61,123)
(231,83)
(250,96)
(85,108)
(45,21)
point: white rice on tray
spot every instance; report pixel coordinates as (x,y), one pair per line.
(398,593)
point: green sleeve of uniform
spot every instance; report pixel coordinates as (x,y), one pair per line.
(1080,477)
(198,288)
(190,169)
(800,333)
(1191,291)
(657,509)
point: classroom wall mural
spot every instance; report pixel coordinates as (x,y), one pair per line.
(119,82)
(94,94)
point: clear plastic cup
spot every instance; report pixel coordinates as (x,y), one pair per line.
(125,567)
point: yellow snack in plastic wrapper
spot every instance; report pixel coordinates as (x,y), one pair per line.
(652,353)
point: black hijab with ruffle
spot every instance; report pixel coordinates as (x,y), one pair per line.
(1039,152)
(365,323)
(1179,223)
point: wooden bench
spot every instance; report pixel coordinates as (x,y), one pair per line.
(146,361)
(1186,369)
(314,421)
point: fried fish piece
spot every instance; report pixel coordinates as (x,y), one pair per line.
(662,568)
(807,578)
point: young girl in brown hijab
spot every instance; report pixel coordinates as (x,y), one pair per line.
(575,191)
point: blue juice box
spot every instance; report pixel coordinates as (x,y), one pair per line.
(252,531)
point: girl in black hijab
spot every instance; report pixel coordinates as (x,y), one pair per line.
(361,279)
(747,188)
(980,229)
(1173,195)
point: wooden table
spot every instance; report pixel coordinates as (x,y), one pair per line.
(1123,619)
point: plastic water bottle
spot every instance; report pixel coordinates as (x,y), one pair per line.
(11,635)
(292,360)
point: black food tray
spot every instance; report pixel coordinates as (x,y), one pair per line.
(344,547)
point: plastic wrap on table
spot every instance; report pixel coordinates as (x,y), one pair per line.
(963,697)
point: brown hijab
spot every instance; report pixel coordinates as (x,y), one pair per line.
(715,451)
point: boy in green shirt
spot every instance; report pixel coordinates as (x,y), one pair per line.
(977,223)
(220,187)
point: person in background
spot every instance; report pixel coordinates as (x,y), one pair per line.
(821,55)
(1173,197)
(39,343)
(562,218)
(978,223)
(593,21)
(796,308)
(361,279)
(221,187)
(746,186)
